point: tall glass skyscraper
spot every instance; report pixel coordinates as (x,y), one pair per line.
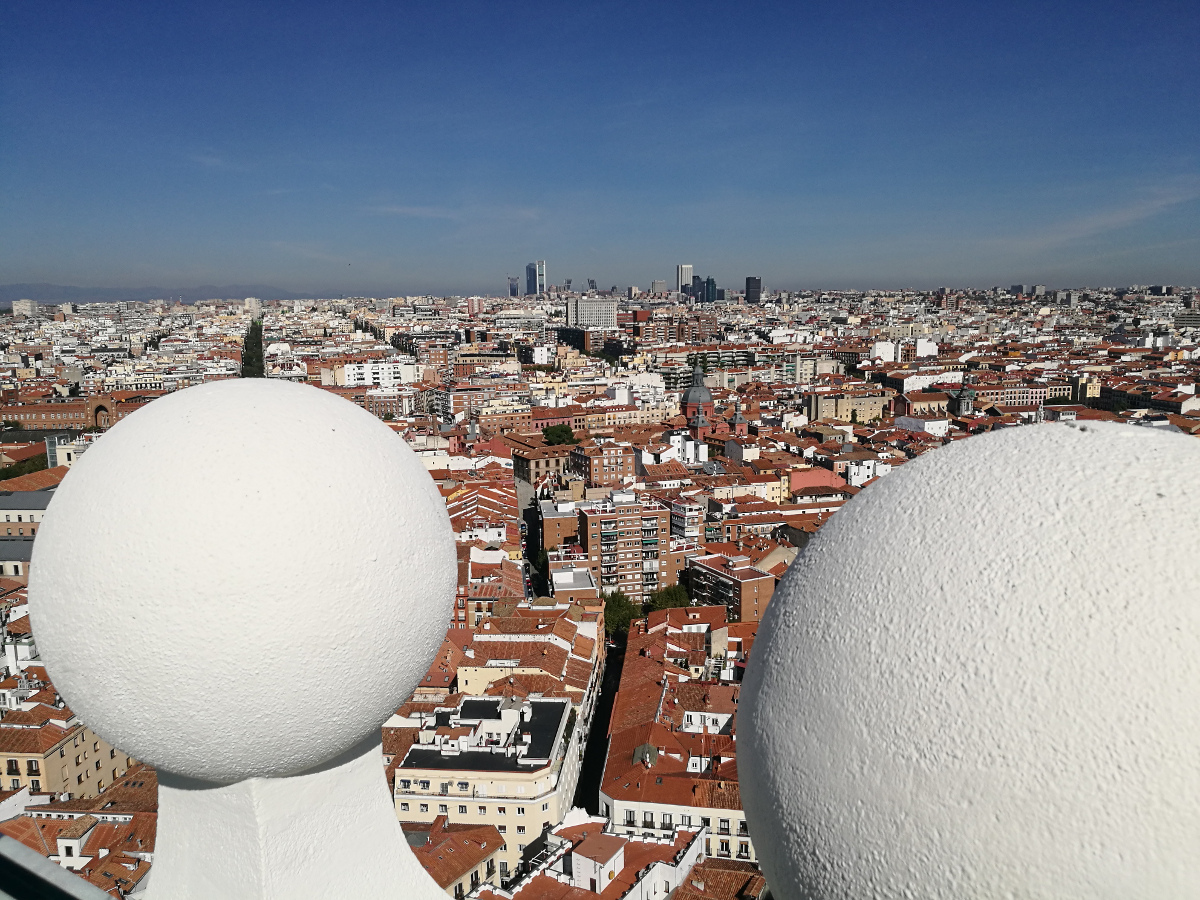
(683,277)
(535,277)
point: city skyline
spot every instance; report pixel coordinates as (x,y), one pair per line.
(351,151)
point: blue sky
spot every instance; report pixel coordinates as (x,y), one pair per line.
(403,148)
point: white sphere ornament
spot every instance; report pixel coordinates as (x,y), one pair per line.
(242,579)
(981,679)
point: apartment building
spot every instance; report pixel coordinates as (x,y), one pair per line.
(687,519)
(47,749)
(732,582)
(501,417)
(602,465)
(460,858)
(559,523)
(23,511)
(586,857)
(533,463)
(623,538)
(16,553)
(672,754)
(504,761)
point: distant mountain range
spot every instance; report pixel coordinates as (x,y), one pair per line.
(64,293)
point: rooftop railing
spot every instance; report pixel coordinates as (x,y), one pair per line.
(979,679)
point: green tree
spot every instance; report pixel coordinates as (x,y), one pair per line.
(619,611)
(671,596)
(854,417)
(24,467)
(252,352)
(387,417)
(559,434)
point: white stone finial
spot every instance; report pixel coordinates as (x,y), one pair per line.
(239,584)
(982,679)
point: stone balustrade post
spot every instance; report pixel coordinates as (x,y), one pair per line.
(981,679)
(239,584)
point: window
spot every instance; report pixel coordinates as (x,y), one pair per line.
(724,824)
(79,779)
(14,767)
(31,767)
(503,829)
(462,810)
(62,752)
(521,847)
(666,820)
(443,808)
(69,850)
(403,807)
(35,785)
(743,848)
(483,810)
(520,810)
(112,754)
(648,819)
(503,869)
(16,784)
(463,785)
(501,810)
(424,785)
(424,807)
(630,817)
(545,806)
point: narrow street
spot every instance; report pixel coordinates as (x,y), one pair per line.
(587,792)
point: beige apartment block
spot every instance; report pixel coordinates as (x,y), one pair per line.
(498,761)
(48,750)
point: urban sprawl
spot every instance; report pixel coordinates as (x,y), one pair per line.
(628,474)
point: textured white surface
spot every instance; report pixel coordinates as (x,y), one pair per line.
(982,679)
(326,834)
(242,579)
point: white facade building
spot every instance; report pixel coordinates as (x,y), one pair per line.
(592,312)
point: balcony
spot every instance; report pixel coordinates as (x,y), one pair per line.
(1017,635)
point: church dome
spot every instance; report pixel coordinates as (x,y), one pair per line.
(697,394)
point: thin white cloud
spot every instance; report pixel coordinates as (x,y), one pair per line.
(1079,228)
(307,251)
(416,212)
(215,161)
(463,215)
